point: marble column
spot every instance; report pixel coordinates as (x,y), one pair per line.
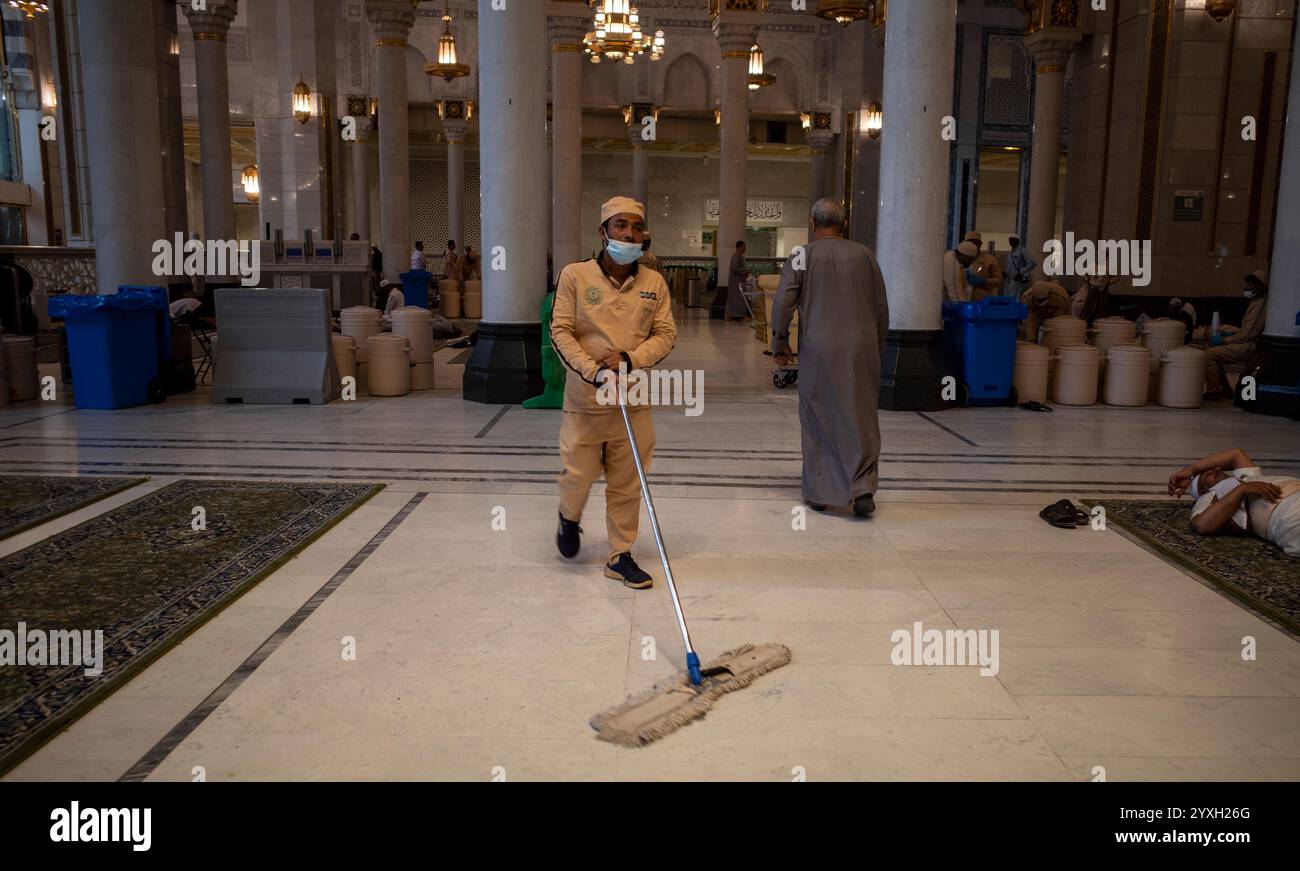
(172,134)
(454,131)
(566,133)
(360,151)
(122,120)
(734,38)
(391,23)
(505,364)
(913,198)
(210,25)
(820,143)
(1281,338)
(1051,53)
(640,163)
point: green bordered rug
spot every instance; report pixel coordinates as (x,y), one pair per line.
(1248,568)
(147,577)
(27,501)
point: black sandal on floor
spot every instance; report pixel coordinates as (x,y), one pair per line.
(1063,515)
(1034,405)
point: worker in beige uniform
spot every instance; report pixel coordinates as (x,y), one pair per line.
(956,272)
(1236,344)
(1045,300)
(610,316)
(986,266)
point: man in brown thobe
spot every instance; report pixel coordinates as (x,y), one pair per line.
(843,322)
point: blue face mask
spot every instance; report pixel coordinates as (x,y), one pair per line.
(623,253)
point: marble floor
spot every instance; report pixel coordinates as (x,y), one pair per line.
(481,654)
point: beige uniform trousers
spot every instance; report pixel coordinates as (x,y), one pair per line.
(592,443)
(1219,357)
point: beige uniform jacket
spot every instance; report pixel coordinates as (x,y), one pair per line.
(594,316)
(1252,323)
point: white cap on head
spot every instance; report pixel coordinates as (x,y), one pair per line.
(968,249)
(620,206)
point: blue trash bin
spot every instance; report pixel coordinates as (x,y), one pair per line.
(117,345)
(415,287)
(981,340)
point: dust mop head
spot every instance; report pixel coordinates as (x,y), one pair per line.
(675,702)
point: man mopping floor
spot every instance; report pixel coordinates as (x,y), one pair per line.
(608,312)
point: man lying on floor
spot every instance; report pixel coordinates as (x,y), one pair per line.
(1234,497)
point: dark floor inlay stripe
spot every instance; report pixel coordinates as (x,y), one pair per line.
(949,430)
(493,422)
(182,730)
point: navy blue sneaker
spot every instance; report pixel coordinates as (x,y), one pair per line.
(864,505)
(626,570)
(567,538)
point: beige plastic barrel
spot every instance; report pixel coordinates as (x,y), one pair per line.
(1160,334)
(389,366)
(1030,376)
(450,303)
(1075,379)
(20,368)
(1128,371)
(1182,377)
(344,349)
(473,299)
(416,324)
(422,375)
(1108,332)
(360,322)
(1064,330)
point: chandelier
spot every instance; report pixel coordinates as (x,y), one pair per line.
(30,7)
(616,34)
(447,66)
(252,185)
(1218,9)
(842,12)
(302,102)
(757,78)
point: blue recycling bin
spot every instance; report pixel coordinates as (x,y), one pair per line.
(117,345)
(981,339)
(415,287)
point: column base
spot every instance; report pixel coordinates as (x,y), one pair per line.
(505,365)
(1277,383)
(912,375)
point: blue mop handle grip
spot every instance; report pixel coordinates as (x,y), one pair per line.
(693,668)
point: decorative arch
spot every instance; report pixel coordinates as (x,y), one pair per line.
(687,84)
(783,95)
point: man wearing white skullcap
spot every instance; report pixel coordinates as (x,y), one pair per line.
(1233,496)
(956,272)
(610,316)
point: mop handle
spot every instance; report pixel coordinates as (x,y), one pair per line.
(692,660)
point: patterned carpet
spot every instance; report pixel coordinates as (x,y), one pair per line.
(147,578)
(27,501)
(1249,568)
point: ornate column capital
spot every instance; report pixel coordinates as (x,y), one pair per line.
(391,22)
(820,140)
(358,108)
(213,21)
(567,25)
(454,131)
(633,116)
(1051,48)
(735,37)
